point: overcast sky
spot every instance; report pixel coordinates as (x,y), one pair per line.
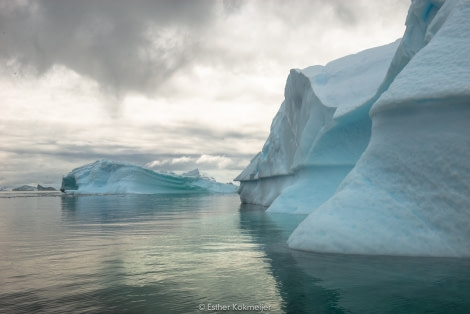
(167,84)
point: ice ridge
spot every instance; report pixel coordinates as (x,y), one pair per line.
(111,177)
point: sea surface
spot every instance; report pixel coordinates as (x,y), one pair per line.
(197,254)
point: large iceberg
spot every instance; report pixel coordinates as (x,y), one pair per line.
(408,190)
(319,133)
(112,177)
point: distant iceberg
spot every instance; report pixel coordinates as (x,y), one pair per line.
(45,188)
(111,177)
(25,188)
(404,144)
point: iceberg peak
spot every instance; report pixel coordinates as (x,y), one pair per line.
(192,173)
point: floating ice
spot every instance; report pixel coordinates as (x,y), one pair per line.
(25,188)
(109,177)
(408,192)
(319,133)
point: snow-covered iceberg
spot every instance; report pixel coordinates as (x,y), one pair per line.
(319,133)
(408,192)
(110,177)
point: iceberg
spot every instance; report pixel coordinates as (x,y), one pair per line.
(111,177)
(408,191)
(25,188)
(45,188)
(319,133)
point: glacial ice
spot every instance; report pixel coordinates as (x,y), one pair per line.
(408,190)
(320,131)
(111,177)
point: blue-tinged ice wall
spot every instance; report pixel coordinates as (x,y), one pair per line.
(108,177)
(409,193)
(319,133)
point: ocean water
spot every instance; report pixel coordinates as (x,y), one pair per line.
(197,254)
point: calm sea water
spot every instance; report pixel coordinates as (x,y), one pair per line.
(196,254)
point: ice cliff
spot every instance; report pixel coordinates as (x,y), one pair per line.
(320,131)
(110,177)
(378,154)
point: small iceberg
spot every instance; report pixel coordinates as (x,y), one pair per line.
(45,188)
(111,177)
(24,188)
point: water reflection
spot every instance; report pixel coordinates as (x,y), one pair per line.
(178,251)
(300,292)
(326,283)
(129,207)
(167,254)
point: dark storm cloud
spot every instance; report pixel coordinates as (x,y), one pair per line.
(136,45)
(123,45)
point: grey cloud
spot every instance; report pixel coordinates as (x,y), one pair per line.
(346,15)
(47,167)
(139,45)
(283,29)
(46,151)
(232,6)
(123,45)
(193,128)
(337,12)
(136,45)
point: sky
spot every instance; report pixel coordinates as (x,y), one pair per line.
(166,84)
